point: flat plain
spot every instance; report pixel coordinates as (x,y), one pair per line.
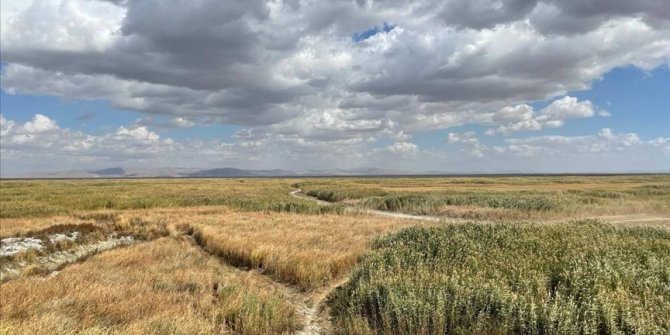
(401,255)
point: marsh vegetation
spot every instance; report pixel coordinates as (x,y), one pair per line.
(575,278)
(243,256)
(501,198)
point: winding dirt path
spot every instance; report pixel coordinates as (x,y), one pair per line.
(298,194)
(309,305)
(635,219)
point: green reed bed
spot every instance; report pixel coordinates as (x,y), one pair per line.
(576,278)
(651,198)
(431,203)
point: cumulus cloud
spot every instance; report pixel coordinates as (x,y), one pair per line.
(524,118)
(575,16)
(42,136)
(605,142)
(140,134)
(181,122)
(470,143)
(40,124)
(404,148)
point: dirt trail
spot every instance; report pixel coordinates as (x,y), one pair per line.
(318,320)
(309,305)
(298,194)
(641,219)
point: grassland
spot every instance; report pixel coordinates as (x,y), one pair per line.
(242,256)
(62,197)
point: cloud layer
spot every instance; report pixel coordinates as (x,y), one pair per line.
(42,145)
(291,72)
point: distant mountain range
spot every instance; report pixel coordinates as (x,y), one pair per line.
(226,172)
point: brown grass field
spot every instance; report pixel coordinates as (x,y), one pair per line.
(243,256)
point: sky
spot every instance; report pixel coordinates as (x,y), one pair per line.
(449,85)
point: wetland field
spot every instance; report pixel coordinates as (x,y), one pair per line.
(375,255)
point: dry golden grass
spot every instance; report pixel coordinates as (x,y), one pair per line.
(22,226)
(307,251)
(167,286)
(28,226)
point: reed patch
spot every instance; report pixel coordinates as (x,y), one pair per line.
(579,278)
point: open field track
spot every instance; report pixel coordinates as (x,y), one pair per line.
(632,219)
(309,305)
(350,209)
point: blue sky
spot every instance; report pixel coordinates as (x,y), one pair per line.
(637,100)
(438,86)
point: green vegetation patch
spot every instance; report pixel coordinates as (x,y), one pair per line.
(430,203)
(335,190)
(577,278)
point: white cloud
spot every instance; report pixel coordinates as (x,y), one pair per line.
(605,142)
(466,138)
(141,134)
(5,126)
(39,124)
(524,118)
(471,145)
(181,122)
(403,148)
(660,141)
(568,108)
(606,133)
(60,25)
(521,112)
